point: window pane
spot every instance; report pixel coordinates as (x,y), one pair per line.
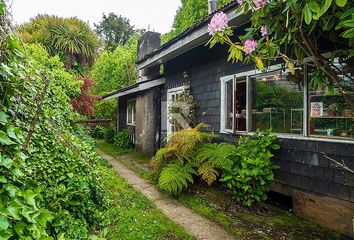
(134,112)
(129,114)
(277,102)
(330,114)
(229,104)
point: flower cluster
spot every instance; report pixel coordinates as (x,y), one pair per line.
(249,46)
(264,31)
(218,23)
(260,3)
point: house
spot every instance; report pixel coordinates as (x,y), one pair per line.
(235,99)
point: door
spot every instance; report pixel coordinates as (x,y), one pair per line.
(173,96)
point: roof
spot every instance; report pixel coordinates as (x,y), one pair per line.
(137,87)
(177,43)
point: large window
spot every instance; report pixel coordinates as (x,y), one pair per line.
(131,112)
(330,114)
(278,102)
(288,104)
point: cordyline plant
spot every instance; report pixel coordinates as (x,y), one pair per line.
(294,31)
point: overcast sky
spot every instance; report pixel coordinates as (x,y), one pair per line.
(142,13)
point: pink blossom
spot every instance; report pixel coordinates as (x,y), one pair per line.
(218,23)
(240,1)
(249,46)
(264,31)
(260,3)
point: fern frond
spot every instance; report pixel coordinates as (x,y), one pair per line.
(208,173)
(161,156)
(216,155)
(175,177)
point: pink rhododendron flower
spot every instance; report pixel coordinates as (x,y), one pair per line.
(264,31)
(218,23)
(260,3)
(240,1)
(249,46)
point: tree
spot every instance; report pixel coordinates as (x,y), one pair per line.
(69,37)
(115,30)
(84,103)
(294,31)
(191,12)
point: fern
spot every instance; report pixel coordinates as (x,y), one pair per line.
(208,173)
(175,177)
(217,155)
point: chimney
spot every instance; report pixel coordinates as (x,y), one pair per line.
(212,6)
(148,43)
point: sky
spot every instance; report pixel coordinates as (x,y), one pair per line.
(158,14)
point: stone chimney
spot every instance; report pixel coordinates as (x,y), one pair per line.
(148,43)
(212,6)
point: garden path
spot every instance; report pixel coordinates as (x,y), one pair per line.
(196,225)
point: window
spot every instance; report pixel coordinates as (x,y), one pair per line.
(330,114)
(233,104)
(131,112)
(288,103)
(278,102)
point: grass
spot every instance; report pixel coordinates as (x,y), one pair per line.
(112,150)
(217,206)
(132,216)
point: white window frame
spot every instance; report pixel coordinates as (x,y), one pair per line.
(223,81)
(133,113)
(170,93)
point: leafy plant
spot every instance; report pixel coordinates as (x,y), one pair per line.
(122,139)
(176,164)
(99,132)
(252,169)
(110,134)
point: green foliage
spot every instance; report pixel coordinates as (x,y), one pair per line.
(175,165)
(115,30)
(99,132)
(252,170)
(110,134)
(122,139)
(298,29)
(69,37)
(176,176)
(114,70)
(190,13)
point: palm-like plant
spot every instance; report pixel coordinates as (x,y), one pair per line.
(69,36)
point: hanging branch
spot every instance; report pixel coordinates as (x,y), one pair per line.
(338,164)
(36,116)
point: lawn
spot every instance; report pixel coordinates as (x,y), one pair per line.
(132,216)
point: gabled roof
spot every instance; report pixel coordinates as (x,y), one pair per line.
(190,38)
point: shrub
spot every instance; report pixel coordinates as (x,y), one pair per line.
(252,170)
(110,135)
(99,132)
(176,164)
(122,139)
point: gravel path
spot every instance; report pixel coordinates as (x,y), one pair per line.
(196,225)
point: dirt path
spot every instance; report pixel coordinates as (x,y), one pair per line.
(196,225)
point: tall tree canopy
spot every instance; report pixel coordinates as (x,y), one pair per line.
(190,12)
(71,38)
(115,30)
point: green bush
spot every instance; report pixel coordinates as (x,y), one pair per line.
(110,134)
(99,132)
(122,139)
(252,170)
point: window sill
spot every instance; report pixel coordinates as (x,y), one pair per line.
(296,137)
(130,124)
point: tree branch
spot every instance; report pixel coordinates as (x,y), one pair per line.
(338,164)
